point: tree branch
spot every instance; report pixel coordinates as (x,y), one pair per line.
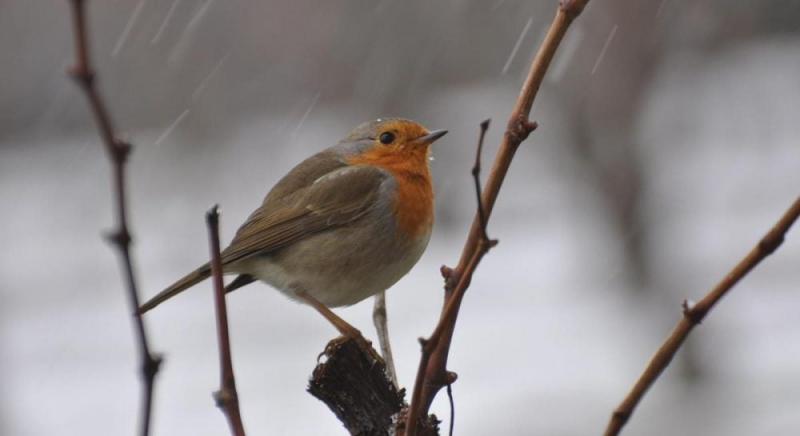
(226,398)
(694,314)
(432,373)
(120,237)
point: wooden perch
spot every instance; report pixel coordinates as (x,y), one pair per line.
(353,382)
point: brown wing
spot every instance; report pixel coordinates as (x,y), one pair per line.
(334,199)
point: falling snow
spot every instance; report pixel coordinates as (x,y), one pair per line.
(204,83)
(168,130)
(307,113)
(164,23)
(517,45)
(123,37)
(602,54)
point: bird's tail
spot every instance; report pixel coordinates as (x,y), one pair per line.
(181,285)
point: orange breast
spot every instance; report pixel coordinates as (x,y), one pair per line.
(413,204)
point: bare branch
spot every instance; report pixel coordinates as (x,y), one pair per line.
(120,237)
(694,314)
(226,397)
(432,373)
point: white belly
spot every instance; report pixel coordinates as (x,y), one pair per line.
(320,267)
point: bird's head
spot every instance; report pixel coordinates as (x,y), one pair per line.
(389,140)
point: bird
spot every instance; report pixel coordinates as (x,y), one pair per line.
(343,225)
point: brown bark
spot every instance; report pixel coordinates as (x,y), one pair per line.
(354,384)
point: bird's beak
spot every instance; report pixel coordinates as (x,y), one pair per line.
(430,138)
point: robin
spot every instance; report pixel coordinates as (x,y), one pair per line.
(345,224)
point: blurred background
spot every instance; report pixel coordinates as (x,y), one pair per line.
(668,144)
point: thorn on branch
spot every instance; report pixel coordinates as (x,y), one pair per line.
(428,344)
(151,366)
(490,243)
(123,148)
(519,128)
(221,398)
(770,243)
(445,378)
(120,150)
(81,75)
(693,312)
(621,416)
(446,271)
(451,277)
(224,399)
(120,238)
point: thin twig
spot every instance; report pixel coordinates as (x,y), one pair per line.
(432,373)
(694,314)
(476,176)
(226,397)
(381,321)
(452,408)
(117,151)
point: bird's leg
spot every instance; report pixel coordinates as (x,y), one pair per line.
(382,328)
(348,331)
(343,326)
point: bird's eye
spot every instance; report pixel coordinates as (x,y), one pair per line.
(387,138)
